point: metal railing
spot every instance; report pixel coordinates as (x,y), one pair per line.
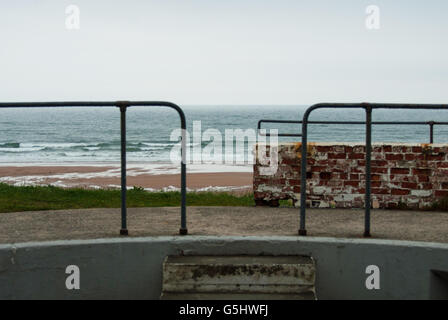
(280,134)
(431,125)
(368,107)
(123,105)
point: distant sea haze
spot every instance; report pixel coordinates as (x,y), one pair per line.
(92,135)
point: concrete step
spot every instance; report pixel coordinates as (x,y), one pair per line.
(237,296)
(224,277)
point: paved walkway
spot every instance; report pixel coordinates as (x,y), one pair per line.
(104,223)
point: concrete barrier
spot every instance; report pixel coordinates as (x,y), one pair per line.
(132,268)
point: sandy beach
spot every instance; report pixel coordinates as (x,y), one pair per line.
(152,177)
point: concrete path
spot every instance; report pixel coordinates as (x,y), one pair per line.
(261,221)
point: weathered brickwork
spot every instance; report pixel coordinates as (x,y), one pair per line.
(410,175)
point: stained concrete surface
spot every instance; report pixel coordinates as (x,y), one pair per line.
(223,221)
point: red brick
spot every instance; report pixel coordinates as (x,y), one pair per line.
(325,175)
(445,185)
(410,156)
(405,149)
(354,176)
(377,156)
(259,195)
(417,149)
(400,192)
(408,179)
(351,183)
(280,182)
(409,185)
(399,171)
(318,168)
(324,148)
(294,182)
(423,178)
(435,157)
(394,156)
(391,205)
(357,156)
(380,191)
(290,161)
(375,184)
(377,149)
(442,165)
(417,171)
(379,163)
(425,186)
(441,193)
(337,156)
(387,149)
(343,176)
(378,170)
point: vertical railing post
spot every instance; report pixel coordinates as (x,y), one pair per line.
(183,180)
(368,171)
(123,106)
(431,131)
(302,229)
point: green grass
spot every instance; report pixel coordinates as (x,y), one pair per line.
(30,198)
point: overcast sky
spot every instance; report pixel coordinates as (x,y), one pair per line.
(224,52)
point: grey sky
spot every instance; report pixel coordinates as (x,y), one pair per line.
(224,52)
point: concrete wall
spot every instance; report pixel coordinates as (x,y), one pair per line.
(407,175)
(132,268)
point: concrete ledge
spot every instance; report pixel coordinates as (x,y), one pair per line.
(132,268)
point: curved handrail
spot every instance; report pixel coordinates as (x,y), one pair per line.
(368,108)
(123,105)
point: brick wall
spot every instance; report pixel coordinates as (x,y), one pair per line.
(407,175)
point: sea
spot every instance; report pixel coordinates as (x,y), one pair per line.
(92,135)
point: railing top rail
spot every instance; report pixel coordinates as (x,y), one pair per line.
(430,123)
(366,105)
(279,134)
(84,104)
(356,122)
(123,103)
